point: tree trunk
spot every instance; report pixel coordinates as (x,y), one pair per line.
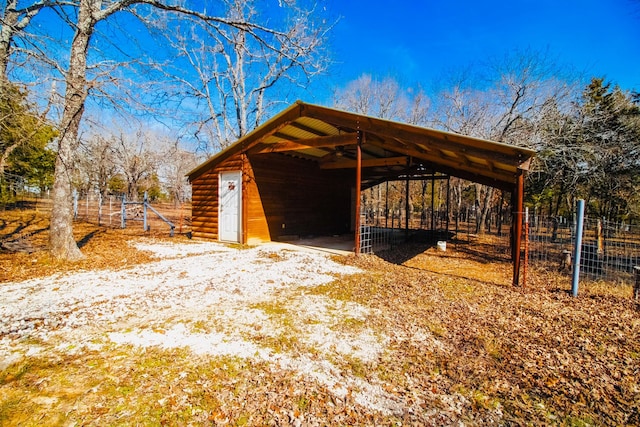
(4,159)
(500,213)
(9,21)
(486,208)
(61,240)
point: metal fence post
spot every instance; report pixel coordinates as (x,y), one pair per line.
(144,212)
(577,252)
(636,284)
(123,212)
(99,208)
(526,247)
(75,204)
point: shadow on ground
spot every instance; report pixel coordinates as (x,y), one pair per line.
(87,238)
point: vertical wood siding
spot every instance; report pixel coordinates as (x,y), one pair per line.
(282,196)
(297,193)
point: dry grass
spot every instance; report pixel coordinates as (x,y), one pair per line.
(103,247)
(465,347)
(543,356)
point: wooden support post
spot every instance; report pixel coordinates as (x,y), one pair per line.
(448,200)
(600,239)
(386,207)
(526,247)
(517,204)
(358,191)
(406,209)
(433,203)
(636,284)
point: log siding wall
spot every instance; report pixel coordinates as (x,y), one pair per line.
(204,210)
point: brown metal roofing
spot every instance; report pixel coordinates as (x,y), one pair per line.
(389,149)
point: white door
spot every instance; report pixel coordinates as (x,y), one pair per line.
(230,211)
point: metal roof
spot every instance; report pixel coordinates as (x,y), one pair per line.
(390,150)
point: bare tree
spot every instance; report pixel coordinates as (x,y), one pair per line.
(14,20)
(519,88)
(591,151)
(130,162)
(135,160)
(384,99)
(83,16)
(235,71)
(96,163)
(173,173)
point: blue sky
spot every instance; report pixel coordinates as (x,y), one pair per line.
(419,41)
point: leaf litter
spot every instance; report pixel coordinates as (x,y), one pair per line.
(199,332)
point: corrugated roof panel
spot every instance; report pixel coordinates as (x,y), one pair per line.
(504,167)
(477,160)
(271,139)
(296,133)
(323,127)
(487,159)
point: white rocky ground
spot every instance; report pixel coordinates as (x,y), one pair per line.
(204,296)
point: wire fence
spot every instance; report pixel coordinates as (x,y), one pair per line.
(111,212)
(386,230)
(14,191)
(610,250)
(108,211)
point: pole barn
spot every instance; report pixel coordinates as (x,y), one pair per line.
(302,173)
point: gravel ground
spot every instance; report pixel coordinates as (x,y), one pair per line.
(158,304)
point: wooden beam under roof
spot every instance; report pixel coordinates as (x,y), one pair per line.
(369,163)
(269,128)
(301,144)
(426,156)
(474,177)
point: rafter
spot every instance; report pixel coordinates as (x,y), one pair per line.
(301,144)
(463,165)
(368,163)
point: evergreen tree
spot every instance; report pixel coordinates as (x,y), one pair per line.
(24,138)
(591,152)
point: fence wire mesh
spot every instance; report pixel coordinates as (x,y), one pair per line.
(107,211)
(610,250)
